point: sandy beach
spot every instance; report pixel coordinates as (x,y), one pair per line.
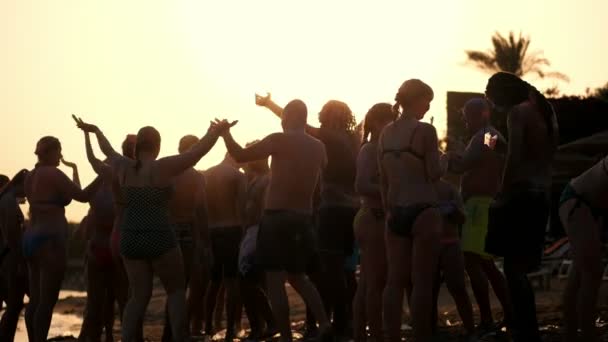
(68,315)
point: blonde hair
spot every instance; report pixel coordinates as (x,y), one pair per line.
(411,91)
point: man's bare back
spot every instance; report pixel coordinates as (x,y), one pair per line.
(184,202)
(297,161)
(225,189)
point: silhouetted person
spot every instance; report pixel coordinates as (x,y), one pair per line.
(408,156)
(13,269)
(481,166)
(519,216)
(286,243)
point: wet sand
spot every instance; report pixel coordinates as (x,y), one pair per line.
(68,315)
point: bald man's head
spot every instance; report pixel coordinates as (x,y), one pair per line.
(186,142)
(294,115)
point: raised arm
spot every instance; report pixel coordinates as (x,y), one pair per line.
(104,143)
(367,169)
(100,168)
(257,151)
(267,102)
(515,125)
(73,191)
(75,175)
(172,166)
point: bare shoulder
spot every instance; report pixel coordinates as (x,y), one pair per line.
(427,128)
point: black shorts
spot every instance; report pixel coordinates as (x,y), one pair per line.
(225,243)
(335,230)
(285,242)
(516,228)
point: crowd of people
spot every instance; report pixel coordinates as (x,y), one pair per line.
(334,197)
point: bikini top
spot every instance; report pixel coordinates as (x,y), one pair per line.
(407,149)
(57,200)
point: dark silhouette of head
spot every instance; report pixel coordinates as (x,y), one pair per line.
(506,90)
(4,180)
(16,184)
(476,114)
(148,142)
(294,116)
(48,150)
(414,98)
(376,119)
(186,142)
(128,146)
(337,115)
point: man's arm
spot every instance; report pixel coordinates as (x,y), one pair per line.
(515,125)
(472,155)
(257,151)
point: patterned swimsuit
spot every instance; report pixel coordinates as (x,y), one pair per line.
(145,230)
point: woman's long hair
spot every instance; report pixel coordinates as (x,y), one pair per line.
(378,112)
(338,116)
(507,90)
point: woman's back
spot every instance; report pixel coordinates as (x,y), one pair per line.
(146,232)
(404,160)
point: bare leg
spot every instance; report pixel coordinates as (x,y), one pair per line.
(305,288)
(584,283)
(15,290)
(30,310)
(359,316)
(108,311)
(479,285)
(52,259)
(140,279)
(96,295)
(452,264)
(170,269)
(398,251)
(425,251)
(275,281)
(231,307)
(499,285)
(210,306)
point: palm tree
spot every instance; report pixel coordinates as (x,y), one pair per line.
(601,93)
(511,54)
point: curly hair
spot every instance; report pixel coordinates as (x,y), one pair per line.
(337,115)
(378,112)
(411,91)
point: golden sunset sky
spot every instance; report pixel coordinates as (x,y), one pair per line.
(177,64)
